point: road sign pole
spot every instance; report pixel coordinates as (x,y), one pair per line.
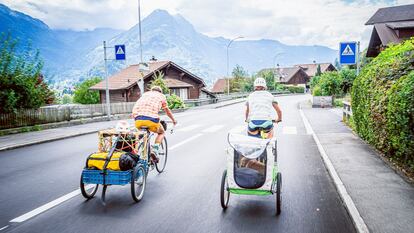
(108,106)
(358,61)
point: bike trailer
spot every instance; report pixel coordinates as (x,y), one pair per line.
(250,164)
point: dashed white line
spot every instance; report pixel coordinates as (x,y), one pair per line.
(238,129)
(346,198)
(3,228)
(213,129)
(185,141)
(47,206)
(188,128)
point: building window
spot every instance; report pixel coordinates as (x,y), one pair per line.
(181,92)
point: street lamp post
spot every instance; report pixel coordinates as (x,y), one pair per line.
(140,82)
(228,78)
(274,62)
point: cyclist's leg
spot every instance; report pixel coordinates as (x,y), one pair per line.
(160,134)
(269,129)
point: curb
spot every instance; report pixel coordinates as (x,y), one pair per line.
(46,140)
(350,206)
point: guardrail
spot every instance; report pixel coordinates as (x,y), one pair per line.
(346,111)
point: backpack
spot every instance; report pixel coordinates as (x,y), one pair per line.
(128,161)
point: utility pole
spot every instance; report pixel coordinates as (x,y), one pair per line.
(108,106)
(228,78)
(358,61)
(141,81)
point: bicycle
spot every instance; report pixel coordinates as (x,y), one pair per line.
(135,141)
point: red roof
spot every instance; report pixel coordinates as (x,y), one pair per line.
(220,86)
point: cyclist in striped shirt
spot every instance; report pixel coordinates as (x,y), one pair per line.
(145,113)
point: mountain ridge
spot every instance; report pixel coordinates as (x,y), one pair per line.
(75,55)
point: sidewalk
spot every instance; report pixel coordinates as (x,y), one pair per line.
(383,198)
(26,139)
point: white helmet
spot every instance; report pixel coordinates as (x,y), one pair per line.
(122,127)
(260,82)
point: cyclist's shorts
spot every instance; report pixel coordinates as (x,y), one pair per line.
(153,124)
(256,124)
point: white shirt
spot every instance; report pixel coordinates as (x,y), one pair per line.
(261,106)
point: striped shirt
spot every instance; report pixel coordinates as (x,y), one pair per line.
(149,104)
(261,106)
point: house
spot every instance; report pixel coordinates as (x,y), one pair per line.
(311,69)
(123,85)
(289,75)
(220,86)
(391,25)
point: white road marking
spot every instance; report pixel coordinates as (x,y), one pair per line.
(188,128)
(185,141)
(213,129)
(238,129)
(308,128)
(290,130)
(4,227)
(346,198)
(48,206)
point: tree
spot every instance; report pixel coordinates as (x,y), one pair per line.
(269,76)
(159,81)
(66,99)
(318,70)
(348,76)
(83,95)
(239,72)
(21,83)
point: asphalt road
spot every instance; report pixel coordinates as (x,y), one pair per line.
(185,198)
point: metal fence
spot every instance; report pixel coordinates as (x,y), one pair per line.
(59,113)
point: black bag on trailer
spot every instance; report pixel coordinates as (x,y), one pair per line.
(128,161)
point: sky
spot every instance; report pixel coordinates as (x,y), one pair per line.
(294,22)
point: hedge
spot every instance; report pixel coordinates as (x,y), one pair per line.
(383,103)
(295,89)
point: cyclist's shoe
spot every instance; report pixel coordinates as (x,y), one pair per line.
(155,153)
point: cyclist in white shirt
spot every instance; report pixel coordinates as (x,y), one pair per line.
(260,109)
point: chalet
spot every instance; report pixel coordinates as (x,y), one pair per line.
(311,69)
(123,85)
(290,75)
(391,25)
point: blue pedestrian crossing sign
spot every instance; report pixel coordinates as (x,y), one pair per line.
(348,53)
(120,52)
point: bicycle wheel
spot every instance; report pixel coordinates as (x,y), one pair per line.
(87,192)
(224,192)
(162,156)
(279,193)
(138,182)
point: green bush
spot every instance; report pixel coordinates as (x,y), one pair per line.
(383,103)
(175,102)
(83,95)
(316,91)
(295,89)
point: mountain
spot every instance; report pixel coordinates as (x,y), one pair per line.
(58,48)
(72,55)
(169,37)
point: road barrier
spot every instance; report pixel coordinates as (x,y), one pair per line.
(346,111)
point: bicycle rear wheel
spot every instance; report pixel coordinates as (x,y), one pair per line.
(138,183)
(162,156)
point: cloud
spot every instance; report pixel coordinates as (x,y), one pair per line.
(304,22)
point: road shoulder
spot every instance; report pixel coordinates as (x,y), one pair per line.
(383,199)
